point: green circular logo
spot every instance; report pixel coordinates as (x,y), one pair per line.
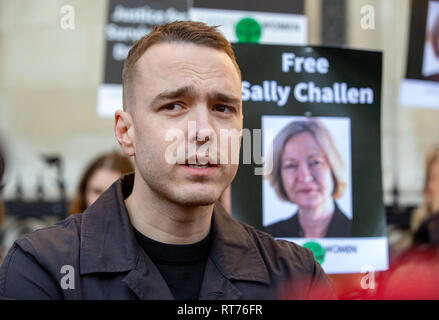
(248,30)
(317,250)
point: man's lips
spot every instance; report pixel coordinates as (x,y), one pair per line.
(196,159)
(200,170)
(200,163)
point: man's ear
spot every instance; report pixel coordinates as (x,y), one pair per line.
(124,131)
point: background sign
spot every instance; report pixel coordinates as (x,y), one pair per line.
(238,20)
(128,21)
(421,86)
(255,27)
(340,88)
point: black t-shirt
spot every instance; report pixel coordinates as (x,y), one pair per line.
(182,266)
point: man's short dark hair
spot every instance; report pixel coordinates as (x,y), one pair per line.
(174,32)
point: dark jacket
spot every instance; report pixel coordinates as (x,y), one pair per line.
(340,226)
(108,263)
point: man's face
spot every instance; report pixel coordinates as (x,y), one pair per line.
(180,86)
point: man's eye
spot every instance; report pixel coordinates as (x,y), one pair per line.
(290,166)
(172,107)
(223,109)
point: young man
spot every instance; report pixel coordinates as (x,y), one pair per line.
(159,233)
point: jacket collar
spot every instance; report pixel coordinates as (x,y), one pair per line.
(108,243)
(234,251)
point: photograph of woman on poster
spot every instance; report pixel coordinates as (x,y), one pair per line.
(307,170)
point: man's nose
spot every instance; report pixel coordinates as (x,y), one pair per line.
(304,173)
(203,129)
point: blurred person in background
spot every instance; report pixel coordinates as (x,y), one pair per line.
(98,177)
(426,216)
(415,273)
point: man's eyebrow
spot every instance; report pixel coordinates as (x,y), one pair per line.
(225,98)
(190,91)
(173,94)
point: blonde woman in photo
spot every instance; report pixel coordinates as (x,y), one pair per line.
(309,172)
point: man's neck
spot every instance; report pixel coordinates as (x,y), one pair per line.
(162,220)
